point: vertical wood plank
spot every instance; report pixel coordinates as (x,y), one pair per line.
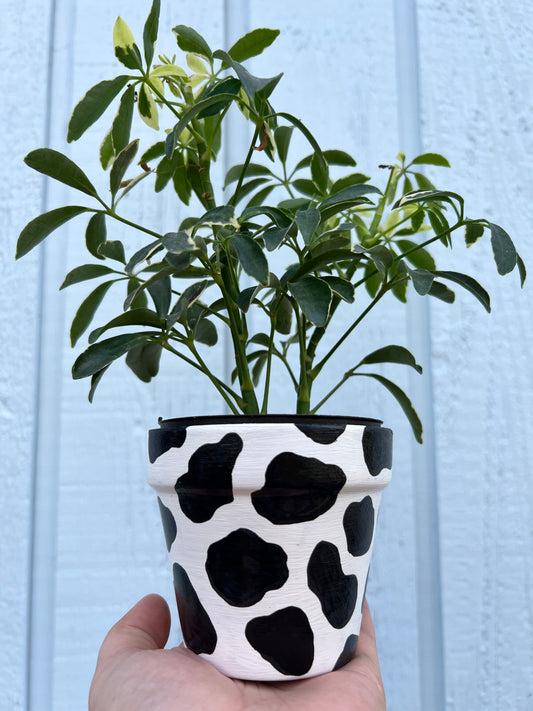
(24,89)
(476,105)
(427,534)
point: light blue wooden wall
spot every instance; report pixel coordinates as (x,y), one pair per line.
(79,531)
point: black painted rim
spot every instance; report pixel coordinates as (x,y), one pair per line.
(316,420)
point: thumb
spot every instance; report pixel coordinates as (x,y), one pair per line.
(145,627)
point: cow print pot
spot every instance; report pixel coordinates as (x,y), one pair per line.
(269,522)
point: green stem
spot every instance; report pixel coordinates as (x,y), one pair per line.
(304,390)
(318,367)
(233,200)
(266,392)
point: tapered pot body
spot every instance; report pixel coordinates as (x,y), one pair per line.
(269,522)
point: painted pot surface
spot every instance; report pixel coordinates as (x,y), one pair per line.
(269,522)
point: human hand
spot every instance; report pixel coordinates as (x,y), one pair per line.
(135,673)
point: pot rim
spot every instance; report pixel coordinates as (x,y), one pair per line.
(324,420)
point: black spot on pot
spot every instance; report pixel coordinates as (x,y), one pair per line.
(242,567)
(337,592)
(207,485)
(347,653)
(169,524)
(196,627)
(160,441)
(297,489)
(358,522)
(377,449)
(285,639)
(322,434)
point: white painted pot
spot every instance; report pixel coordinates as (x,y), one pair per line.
(269,522)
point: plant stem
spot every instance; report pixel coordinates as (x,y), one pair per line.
(318,367)
(233,200)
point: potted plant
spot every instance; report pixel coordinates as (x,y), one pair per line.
(248,499)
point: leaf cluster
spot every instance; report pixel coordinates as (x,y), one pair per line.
(342,240)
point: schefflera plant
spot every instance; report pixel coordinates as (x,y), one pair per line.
(205,276)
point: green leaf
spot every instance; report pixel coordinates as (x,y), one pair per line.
(58,166)
(275,214)
(423,182)
(431,159)
(141,300)
(142,255)
(421,196)
(187,298)
(222,215)
(353,192)
(101,354)
(161,273)
(95,380)
(260,197)
(282,137)
(521,269)
(112,249)
(106,152)
(306,187)
(283,315)
(307,221)
(86,311)
(420,258)
(252,44)
(85,272)
(246,296)
(251,257)
(229,85)
(503,249)
(148,108)
(399,289)
(314,298)
(274,236)
(468,283)
(318,155)
(126,51)
(121,128)
(402,400)
(155,151)
(254,87)
(391,354)
(95,234)
(422,280)
(179,242)
(144,359)
(135,317)
(190,41)
(180,181)
(206,332)
(150,32)
(473,231)
(247,188)
(121,165)
(92,106)
(41,226)
(441,291)
(341,287)
(252,171)
(188,116)
(160,291)
(347,180)
(322,259)
(333,157)
(320,173)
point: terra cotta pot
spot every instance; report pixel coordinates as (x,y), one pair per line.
(269,522)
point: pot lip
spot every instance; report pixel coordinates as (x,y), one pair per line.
(316,420)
